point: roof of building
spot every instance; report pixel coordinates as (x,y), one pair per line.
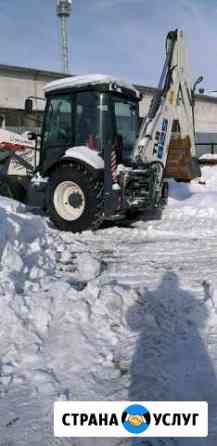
(32,71)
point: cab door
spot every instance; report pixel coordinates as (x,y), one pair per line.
(57,133)
(126,124)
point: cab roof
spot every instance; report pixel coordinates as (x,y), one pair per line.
(91,80)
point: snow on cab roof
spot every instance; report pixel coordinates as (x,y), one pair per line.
(92,79)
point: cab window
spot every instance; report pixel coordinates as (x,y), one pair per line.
(58,124)
(87,118)
(126,126)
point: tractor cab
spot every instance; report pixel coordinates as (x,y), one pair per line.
(89,111)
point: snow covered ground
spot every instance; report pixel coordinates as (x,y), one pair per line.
(126,313)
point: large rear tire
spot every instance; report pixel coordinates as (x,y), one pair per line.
(75,198)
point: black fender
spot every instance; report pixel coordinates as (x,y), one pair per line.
(81,155)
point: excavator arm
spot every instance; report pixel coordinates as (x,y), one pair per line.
(171,110)
(165,146)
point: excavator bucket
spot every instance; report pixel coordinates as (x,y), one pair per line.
(180,164)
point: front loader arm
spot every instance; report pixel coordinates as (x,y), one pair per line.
(16,153)
(172,102)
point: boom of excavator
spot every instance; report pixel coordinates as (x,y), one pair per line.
(167,133)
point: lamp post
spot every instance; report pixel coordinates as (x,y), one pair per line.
(64,8)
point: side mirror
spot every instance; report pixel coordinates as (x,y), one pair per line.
(28,105)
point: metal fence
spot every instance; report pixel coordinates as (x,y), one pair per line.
(202,149)
(206,143)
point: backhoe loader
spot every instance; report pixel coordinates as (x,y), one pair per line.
(95,162)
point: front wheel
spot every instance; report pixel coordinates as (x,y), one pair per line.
(75,198)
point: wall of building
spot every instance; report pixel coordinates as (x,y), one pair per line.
(17,83)
(205,111)
(206,114)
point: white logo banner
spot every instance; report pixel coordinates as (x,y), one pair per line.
(129,419)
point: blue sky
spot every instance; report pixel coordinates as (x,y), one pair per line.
(125,38)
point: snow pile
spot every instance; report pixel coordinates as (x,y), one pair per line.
(126,313)
(209,157)
(23,245)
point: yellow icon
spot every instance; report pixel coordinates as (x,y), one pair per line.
(172,98)
(135,420)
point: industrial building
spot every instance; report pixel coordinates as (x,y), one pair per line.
(17,83)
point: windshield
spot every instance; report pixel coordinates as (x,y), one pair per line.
(126,113)
(87,118)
